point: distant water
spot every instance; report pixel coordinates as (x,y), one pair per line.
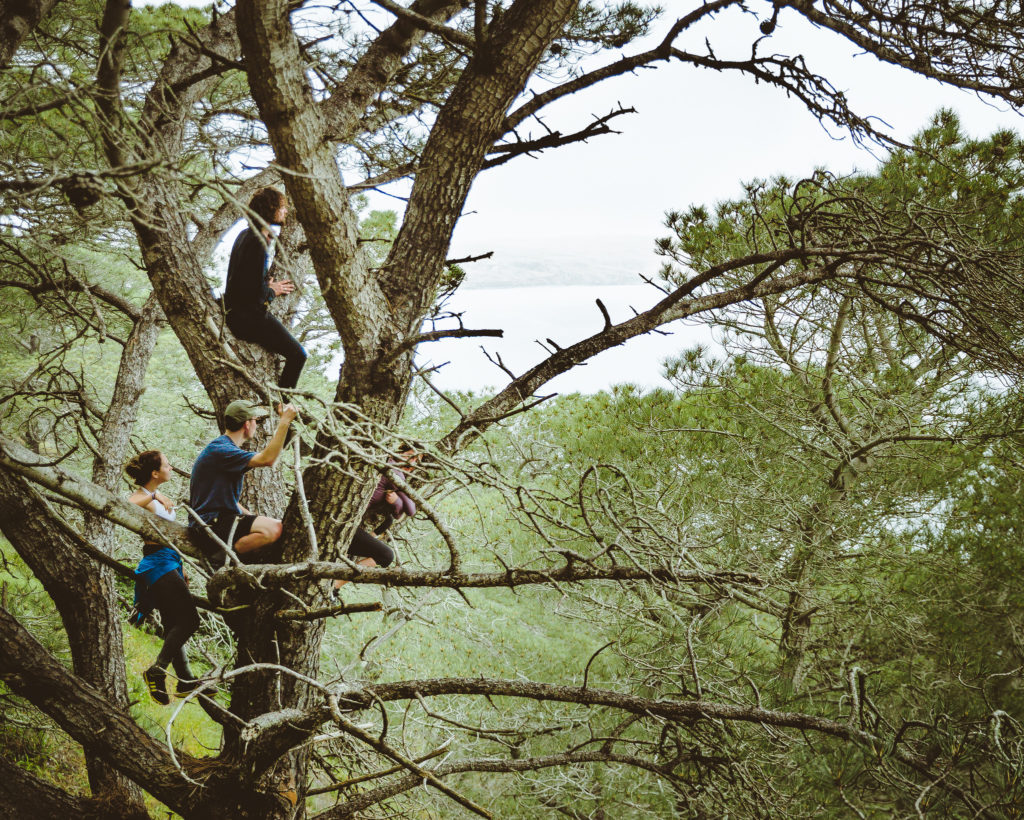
(565,314)
(566,260)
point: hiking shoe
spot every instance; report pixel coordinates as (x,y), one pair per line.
(156,682)
(184,686)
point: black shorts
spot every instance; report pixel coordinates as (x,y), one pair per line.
(221,527)
(223,523)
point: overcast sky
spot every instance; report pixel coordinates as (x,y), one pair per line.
(699,134)
(696,137)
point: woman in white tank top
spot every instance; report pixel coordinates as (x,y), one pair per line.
(160,581)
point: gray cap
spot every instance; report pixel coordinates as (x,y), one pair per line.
(241,410)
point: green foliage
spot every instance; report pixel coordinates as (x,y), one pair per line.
(27,737)
(838,450)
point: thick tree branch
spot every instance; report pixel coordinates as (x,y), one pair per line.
(18,19)
(26,796)
(22,461)
(450,35)
(72,285)
(273,575)
(85,713)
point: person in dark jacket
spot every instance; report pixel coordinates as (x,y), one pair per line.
(250,290)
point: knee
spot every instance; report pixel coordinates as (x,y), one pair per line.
(276,530)
(386,557)
(192,624)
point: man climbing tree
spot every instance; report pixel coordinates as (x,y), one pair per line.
(217,475)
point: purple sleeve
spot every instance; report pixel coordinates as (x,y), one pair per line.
(378,493)
(408,505)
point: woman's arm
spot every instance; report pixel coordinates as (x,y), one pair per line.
(408,505)
(143,498)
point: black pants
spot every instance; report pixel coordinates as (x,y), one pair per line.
(266,331)
(365,545)
(180,618)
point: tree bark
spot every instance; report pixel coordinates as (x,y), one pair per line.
(83,592)
(119,420)
(18,19)
(27,797)
(370,324)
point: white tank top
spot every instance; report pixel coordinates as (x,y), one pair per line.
(160,509)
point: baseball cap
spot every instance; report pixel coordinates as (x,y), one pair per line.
(241,410)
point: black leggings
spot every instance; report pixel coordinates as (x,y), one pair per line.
(365,545)
(266,331)
(180,618)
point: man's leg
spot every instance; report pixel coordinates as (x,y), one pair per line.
(261,532)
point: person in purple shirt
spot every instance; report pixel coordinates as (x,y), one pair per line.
(390,502)
(387,499)
(249,290)
(216,484)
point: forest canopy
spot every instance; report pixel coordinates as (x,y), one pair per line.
(782,585)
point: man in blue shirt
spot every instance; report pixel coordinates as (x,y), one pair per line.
(217,474)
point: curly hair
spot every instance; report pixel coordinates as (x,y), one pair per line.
(141,468)
(265,202)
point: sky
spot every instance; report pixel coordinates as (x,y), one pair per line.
(697,137)
(699,134)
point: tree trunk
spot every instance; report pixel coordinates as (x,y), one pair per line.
(27,797)
(83,592)
(119,421)
(370,325)
(18,18)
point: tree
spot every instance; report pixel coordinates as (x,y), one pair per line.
(157,114)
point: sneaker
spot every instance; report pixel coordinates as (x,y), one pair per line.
(184,686)
(156,682)
(332,597)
